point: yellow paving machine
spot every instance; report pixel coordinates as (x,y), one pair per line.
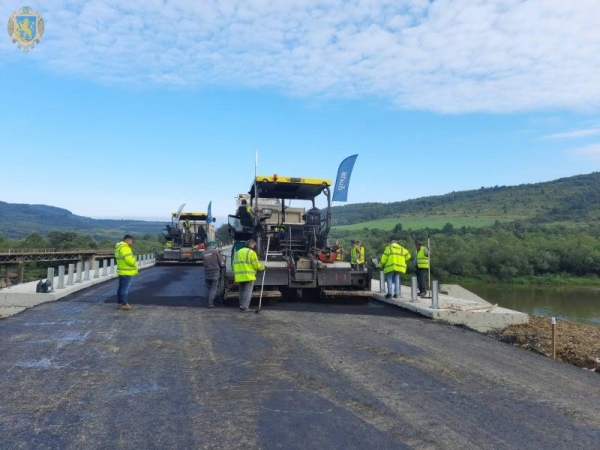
(186,236)
(281,215)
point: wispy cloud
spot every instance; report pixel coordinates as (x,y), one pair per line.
(447,56)
(573,134)
(591,151)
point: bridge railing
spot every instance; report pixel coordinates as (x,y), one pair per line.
(83,271)
(97,251)
(27,250)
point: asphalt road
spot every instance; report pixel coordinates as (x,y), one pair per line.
(171,374)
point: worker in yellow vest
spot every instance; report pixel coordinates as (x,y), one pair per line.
(393,262)
(339,251)
(127,268)
(357,257)
(422,266)
(245,266)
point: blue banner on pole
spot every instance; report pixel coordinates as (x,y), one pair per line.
(209,214)
(342,182)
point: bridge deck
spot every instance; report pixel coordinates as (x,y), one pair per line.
(77,373)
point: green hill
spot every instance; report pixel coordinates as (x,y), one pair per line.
(19,220)
(566,200)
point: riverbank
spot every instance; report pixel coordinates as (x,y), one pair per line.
(576,343)
(533,280)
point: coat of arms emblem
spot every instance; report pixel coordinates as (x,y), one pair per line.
(25,28)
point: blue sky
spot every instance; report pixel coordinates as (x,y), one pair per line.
(129,111)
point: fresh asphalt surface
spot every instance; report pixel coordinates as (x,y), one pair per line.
(171,374)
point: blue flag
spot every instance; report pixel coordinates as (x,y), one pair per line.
(342,182)
(209,214)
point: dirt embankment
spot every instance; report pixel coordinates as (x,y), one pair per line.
(576,343)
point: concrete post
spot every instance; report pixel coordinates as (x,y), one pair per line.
(78,272)
(112,266)
(61,277)
(50,277)
(96,269)
(413,289)
(21,272)
(435,304)
(104,267)
(70,274)
(381,282)
(86,268)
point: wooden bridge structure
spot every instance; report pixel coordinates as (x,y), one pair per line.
(17,258)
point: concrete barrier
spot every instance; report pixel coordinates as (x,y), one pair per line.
(472,312)
(20,297)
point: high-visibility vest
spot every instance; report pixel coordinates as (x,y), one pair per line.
(126,262)
(394,259)
(422,259)
(356,256)
(245,265)
(340,253)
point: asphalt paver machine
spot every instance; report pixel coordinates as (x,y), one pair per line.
(186,236)
(281,215)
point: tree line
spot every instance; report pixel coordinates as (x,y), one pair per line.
(502,252)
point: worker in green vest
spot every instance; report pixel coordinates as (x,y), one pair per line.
(422,266)
(245,266)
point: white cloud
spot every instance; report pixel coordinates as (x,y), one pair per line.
(447,56)
(573,134)
(591,151)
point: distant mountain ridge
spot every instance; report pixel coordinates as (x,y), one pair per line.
(571,199)
(19,220)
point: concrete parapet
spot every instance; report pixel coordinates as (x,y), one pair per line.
(18,298)
(472,312)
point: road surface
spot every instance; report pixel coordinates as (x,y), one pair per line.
(172,374)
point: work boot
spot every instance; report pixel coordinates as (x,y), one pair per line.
(210,306)
(388,295)
(126,307)
(395,295)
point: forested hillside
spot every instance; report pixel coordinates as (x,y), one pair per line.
(574,199)
(20,220)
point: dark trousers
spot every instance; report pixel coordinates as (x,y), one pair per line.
(421,280)
(212,284)
(123,289)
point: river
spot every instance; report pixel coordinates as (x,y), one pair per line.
(573,303)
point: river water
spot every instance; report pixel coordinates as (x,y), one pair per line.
(576,304)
